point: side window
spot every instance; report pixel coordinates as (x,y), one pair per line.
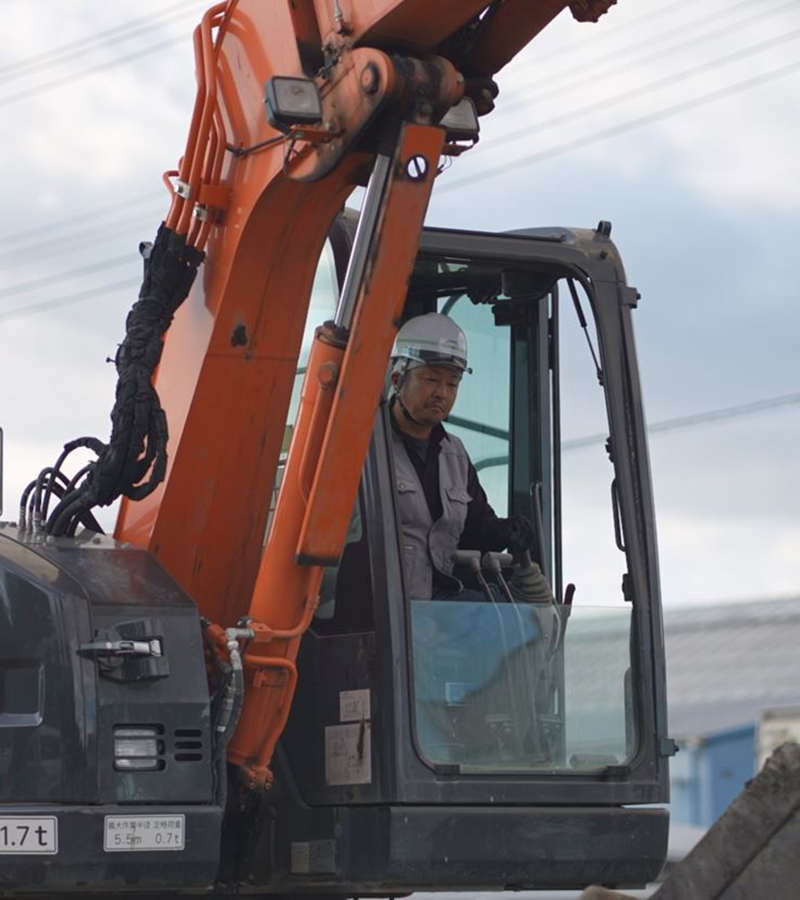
(481,414)
(591,561)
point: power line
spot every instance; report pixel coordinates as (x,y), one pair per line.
(546,124)
(563,148)
(75,76)
(588,75)
(36,283)
(59,245)
(636,93)
(623,127)
(99,212)
(124,31)
(47,305)
(690,421)
(549,123)
(558,120)
(631,25)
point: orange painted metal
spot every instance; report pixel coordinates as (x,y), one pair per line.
(411,25)
(332,433)
(511,28)
(285,595)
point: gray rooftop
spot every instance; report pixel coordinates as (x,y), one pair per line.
(727,662)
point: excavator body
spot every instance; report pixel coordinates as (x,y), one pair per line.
(236,692)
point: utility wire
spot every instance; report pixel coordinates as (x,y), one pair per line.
(623,127)
(36,283)
(548,123)
(99,212)
(563,148)
(48,305)
(561,89)
(542,155)
(75,76)
(75,49)
(635,93)
(552,85)
(589,40)
(714,415)
(69,243)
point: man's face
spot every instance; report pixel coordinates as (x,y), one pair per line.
(429,393)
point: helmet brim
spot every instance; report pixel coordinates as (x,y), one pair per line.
(434,358)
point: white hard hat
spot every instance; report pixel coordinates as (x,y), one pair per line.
(431,340)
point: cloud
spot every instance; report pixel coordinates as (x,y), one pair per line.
(717,558)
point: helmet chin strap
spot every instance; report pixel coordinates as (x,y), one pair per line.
(406,413)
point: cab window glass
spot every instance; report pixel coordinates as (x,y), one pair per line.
(480,415)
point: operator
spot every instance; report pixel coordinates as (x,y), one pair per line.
(442,504)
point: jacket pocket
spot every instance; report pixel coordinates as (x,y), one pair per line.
(458,495)
(456,515)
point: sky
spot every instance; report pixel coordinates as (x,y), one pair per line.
(676,121)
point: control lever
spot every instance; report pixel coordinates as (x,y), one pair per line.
(529,584)
(494,563)
(471,559)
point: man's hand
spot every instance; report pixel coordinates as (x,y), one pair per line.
(529,584)
(520,534)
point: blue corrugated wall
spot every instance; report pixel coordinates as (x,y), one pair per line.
(709,772)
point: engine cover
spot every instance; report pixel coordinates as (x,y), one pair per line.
(105,724)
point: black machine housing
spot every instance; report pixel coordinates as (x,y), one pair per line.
(68,695)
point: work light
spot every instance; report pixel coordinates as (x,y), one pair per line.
(291,102)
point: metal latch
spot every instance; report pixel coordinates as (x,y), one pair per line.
(667,746)
(122,648)
(129,651)
(630,296)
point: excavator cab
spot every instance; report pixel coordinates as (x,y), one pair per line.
(495,744)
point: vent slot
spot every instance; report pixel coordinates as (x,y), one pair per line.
(188,745)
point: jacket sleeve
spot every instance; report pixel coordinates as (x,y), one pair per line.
(483,529)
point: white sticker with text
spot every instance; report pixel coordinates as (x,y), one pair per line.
(354,706)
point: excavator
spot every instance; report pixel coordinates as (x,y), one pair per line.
(234,693)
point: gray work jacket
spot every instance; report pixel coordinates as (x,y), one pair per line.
(427,543)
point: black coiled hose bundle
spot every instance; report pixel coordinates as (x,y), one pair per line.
(134,461)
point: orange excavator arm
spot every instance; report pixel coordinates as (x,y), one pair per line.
(258,198)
